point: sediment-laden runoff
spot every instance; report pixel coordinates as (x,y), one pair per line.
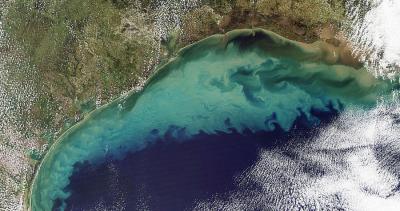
(245,81)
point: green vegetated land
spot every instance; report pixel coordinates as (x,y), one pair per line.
(89,51)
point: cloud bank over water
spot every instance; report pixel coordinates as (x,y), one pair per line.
(246,80)
(351,165)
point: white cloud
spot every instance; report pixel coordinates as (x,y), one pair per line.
(376,35)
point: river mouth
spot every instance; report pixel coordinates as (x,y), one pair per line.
(244,86)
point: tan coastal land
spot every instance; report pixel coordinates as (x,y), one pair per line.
(80,55)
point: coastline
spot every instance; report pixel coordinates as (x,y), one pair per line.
(320,50)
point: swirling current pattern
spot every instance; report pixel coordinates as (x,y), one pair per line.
(245,82)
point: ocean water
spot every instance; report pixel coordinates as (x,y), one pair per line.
(200,122)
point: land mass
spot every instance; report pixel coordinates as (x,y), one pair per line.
(83,54)
(256,61)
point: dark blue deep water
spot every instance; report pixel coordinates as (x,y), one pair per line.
(173,175)
(199,124)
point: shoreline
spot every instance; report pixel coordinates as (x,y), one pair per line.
(329,51)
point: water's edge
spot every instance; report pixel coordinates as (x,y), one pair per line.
(317,50)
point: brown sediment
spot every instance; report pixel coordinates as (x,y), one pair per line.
(338,54)
(347,57)
(318,50)
(329,50)
(338,42)
(327,38)
(245,18)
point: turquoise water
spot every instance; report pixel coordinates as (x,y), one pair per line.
(254,79)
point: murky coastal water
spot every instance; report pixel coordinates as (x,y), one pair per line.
(201,121)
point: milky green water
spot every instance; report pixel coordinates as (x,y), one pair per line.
(245,76)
